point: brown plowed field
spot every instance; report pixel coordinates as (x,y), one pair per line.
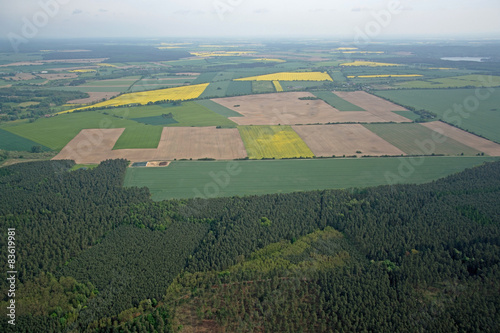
(344,139)
(488,147)
(96,145)
(94,97)
(374,105)
(200,142)
(288,109)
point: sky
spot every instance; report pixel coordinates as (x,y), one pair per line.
(32,19)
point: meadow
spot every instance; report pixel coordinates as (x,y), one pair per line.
(482,119)
(199,179)
(273,142)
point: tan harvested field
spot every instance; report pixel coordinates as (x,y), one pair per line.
(287,109)
(58,76)
(200,142)
(92,146)
(344,139)
(488,147)
(374,105)
(21,77)
(94,97)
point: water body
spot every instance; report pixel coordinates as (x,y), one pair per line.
(475,59)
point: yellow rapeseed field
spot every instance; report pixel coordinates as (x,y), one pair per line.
(368,64)
(273,142)
(290,76)
(107,65)
(82,70)
(277,86)
(144,97)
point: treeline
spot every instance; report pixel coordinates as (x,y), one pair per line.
(402,258)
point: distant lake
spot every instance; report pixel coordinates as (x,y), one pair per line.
(476,59)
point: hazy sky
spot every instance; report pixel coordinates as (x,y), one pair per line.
(246,18)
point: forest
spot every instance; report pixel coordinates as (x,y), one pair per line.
(93,256)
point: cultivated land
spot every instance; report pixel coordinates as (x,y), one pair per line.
(207,179)
(344,140)
(374,105)
(96,145)
(468,139)
(415,139)
(460,107)
(288,109)
(170,94)
(200,142)
(273,142)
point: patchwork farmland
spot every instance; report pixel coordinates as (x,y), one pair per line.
(345,140)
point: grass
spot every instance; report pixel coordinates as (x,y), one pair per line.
(262,87)
(337,102)
(83,166)
(415,139)
(273,142)
(191,179)
(483,120)
(277,86)
(11,141)
(217,108)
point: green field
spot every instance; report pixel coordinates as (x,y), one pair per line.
(11,141)
(415,139)
(299,85)
(217,108)
(192,179)
(273,142)
(262,87)
(480,116)
(156,120)
(454,82)
(337,102)
(56,132)
(408,114)
(145,136)
(216,89)
(238,88)
(187,114)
